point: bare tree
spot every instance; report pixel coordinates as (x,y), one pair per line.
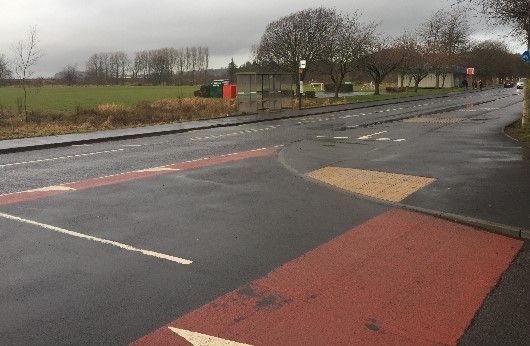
(341,53)
(494,62)
(514,13)
(420,67)
(206,56)
(70,75)
(26,56)
(384,57)
(298,36)
(407,43)
(444,35)
(181,64)
(5,71)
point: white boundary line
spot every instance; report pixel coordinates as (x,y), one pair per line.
(99,240)
(62,157)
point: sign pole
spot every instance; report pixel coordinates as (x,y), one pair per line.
(301,83)
(299,89)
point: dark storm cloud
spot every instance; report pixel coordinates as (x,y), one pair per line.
(72,30)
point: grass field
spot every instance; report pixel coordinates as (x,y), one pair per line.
(68,98)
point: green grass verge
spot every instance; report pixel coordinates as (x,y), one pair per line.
(70,98)
(308,103)
(517,130)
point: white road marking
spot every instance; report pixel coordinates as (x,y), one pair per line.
(158,169)
(132,145)
(370,136)
(367,137)
(242,132)
(62,157)
(99,240)
(198,339)
(52,188)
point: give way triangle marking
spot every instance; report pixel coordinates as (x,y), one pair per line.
(198,339)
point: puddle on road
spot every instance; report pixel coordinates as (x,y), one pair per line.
(526,152)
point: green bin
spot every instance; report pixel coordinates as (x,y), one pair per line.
(216,87)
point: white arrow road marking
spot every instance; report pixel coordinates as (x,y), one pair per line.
(198,339)
(370,136)
(96,239)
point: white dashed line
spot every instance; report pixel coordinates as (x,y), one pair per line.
(61,158)
(242,132)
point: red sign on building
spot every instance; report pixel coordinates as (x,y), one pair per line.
(470,71)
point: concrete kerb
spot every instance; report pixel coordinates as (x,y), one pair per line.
(233,121)
(488,226)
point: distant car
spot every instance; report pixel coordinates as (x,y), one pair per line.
(520,83)
(509,84)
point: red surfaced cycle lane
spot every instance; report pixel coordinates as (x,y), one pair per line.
(400,278)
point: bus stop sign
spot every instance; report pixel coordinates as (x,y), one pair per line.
(526,56)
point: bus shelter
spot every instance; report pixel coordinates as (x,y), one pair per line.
(258,91)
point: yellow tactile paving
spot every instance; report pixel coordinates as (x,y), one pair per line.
(433,120)
(386,186)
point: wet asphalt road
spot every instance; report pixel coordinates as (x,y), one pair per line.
(240,221)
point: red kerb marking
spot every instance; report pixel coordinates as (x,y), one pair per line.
(400,278)
(26,196)
(140,174)
(115,179)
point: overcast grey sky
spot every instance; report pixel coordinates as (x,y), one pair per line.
(71,30)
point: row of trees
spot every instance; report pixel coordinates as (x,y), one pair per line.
(337,44)
(157,66)
(5,71)
(104,68)
(512,13)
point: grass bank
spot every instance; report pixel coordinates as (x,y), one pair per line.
(520,129)
(309,103)
(111,116)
